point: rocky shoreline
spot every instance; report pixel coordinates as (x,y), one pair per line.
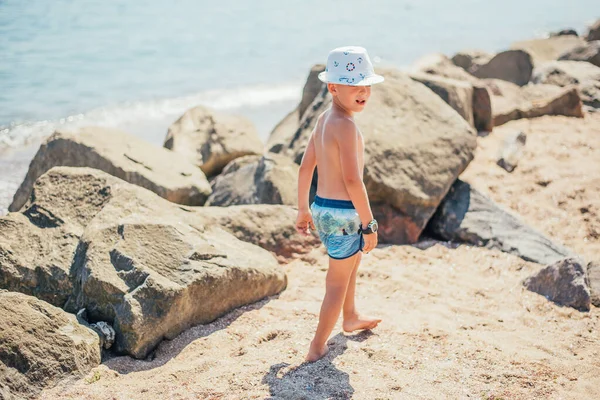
(109,235)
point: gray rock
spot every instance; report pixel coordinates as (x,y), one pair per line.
(512,151)
(211,139)
(39,345)
(123,156)
(511,102)
(590,52)
(105,332)
(563,282)
(468,216)
(564,73)
(150,267)
(457,94)
(513,66)
(471,59)
(593,32)
(564,32)
(593,273)
(440,65)
(270,180)
(548,49)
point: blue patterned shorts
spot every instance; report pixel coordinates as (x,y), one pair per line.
(338,225)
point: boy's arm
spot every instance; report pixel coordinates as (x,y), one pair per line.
(347,139)
(304,220)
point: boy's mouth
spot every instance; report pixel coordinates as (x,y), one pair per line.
(361,102)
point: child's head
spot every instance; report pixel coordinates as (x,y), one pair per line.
(349,75)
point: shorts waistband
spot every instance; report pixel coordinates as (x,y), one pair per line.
(333,203)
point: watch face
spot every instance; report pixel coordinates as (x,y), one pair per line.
(374,226)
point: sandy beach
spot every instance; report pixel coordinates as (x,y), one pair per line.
(457,322)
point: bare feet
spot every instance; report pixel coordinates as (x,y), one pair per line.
(359,322)
(315,354)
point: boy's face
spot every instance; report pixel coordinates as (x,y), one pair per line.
(352,98)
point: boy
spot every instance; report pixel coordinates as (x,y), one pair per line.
(341,212)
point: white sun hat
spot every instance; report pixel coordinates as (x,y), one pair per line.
(350,65)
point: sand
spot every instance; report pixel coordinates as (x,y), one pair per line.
(457,322)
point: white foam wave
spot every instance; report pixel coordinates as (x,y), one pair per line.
(144,113)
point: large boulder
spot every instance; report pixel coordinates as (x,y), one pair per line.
(122,155)
(415,146)
(467,216)
(147,266)
(271,227)
(564,282)
(284,130)
(39,345)
(564,32)
(457,94)
(593,32)
(593,273)
(564,73)
(211,139)
(510,102)
(548,49)
(270,180)
(440,65)
(590,52)
(513,66)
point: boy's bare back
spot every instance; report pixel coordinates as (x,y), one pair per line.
(332,162)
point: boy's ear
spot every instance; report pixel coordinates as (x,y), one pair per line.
(332,88)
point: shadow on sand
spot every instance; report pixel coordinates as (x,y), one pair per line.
(315,381)
(169,349)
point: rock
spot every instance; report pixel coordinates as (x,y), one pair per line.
(510,102)
(240,162)
(513,66)
(41,344)
(270,180)
(465,215)
(271,227)
(590,52)
(415,146)
(123,156)
(593,273)
(38,243)
(282,133)
(593,32)
(512,151)
(440,65)
(565,32)
(469,59)
(457,94)
(563,282)
(105,332)
(312,88)
(564,73)
(590,94)
(211,140)
(149,267)
(548,49)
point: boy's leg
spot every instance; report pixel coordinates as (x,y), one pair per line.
(336,283)
(352,319)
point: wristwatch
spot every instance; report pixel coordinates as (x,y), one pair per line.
(371,227)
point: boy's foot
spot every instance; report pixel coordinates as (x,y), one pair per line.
(315,354)
(359,322)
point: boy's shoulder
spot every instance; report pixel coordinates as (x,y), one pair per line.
(336,124)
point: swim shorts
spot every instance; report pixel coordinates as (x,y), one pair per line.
(338,225)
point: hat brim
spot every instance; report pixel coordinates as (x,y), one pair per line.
(368,81)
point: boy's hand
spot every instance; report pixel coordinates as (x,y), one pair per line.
(304,222)
(370,241)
